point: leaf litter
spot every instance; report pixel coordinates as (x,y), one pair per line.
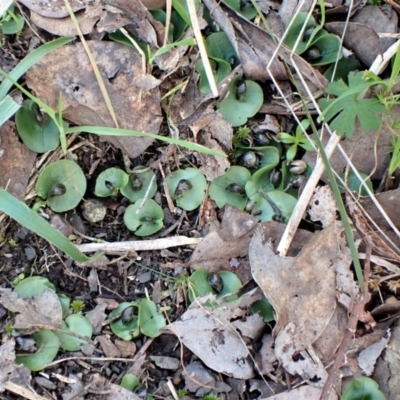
(312,309)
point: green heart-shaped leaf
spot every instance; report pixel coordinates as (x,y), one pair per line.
(62,184)
(110,181)
(38,135)
(243,101)
(126,327)
(363,389)
(140,184)
(47,344)
(187,187)
(32,286)
(145,217)
(150,320)
(75,323)
(229,187)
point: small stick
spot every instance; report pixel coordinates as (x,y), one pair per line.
(138,245)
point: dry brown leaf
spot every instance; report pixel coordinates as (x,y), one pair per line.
(55,8)
(83,102)
(44,310)
(301,393)
(16,161)
(226,351)
(302,291)
(65,26)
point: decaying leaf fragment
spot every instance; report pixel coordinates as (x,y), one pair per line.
(225,351)
(302,291)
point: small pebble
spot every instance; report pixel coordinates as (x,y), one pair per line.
(94,211)
(144,277)
(45,383)
(30,253)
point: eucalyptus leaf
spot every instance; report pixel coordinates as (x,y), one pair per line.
(31,59)
(125,328)
(363,388)
(38,135)
(110,181)
(229,187)
(47,344)
(236,108)
(187,187)
(145,217)
(65,177)
(140,184)
(75,323)
(150,320)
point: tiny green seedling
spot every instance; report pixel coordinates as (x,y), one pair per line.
(130,382)
(141,184)
(39,135)
(298,140)
(201,282)
(110,181)
(187,187)
(62,184)
(229,188)
(48,342)
(243,101)
(136,318)
(145,217)
(361,389)
(11,23)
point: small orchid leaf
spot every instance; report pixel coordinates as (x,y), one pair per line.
(130,382)
(47,344)
(145,217)
(32,286)
(220,68)
(264,308)
(110,181)
(126,327)
(247,10)
(261,178)
(187,187)
(294,29)
(62,184)
(198,284)
(150,320)
(281,208)
(354,184)
(232,284)
(363,388)
(140,184)
(75,323)
(328,46)
(13,25)
(243,101)
(229,187)
(65,303)
(38,135)
(219,47)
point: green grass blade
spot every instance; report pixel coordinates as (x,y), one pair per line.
(8,107)
(26,217)
(31,59)
(104,130)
